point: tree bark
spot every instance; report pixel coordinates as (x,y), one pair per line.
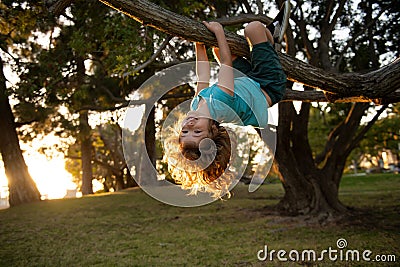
(21,186)
(86,150)
(84,134)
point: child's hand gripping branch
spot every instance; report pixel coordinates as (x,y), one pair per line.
(239,100)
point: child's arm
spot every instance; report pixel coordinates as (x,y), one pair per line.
(202,67)
(225,75)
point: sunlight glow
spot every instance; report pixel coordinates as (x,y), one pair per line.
(48,172)
(50,176)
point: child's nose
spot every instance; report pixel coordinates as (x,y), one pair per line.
(190,121)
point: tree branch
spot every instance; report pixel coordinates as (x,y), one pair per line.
(361,134)
(151,59)
(57,7)
(337,14)
(113,169)
(360,87)
(300,22)
(243,18)
(246,6)
(319,158)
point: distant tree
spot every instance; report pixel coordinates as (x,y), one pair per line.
(109,165)
(384,135)
(14,48)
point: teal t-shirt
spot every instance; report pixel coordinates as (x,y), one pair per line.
(248,105)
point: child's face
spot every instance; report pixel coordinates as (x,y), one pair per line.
(194,129)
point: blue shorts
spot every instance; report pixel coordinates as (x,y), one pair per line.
(266,69)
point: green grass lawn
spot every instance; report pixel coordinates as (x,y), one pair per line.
(131,229)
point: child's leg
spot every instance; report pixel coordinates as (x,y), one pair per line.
(255,33)
(266,68)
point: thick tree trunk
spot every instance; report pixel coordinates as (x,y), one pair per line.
(308,189)
(85,133)
(86,150)
(21,186)
(119,182)
(312,183)
(314,197)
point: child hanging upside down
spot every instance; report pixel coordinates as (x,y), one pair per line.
(239,100)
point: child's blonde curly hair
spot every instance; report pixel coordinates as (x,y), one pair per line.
(202,168)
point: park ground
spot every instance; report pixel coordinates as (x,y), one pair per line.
(129,228)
